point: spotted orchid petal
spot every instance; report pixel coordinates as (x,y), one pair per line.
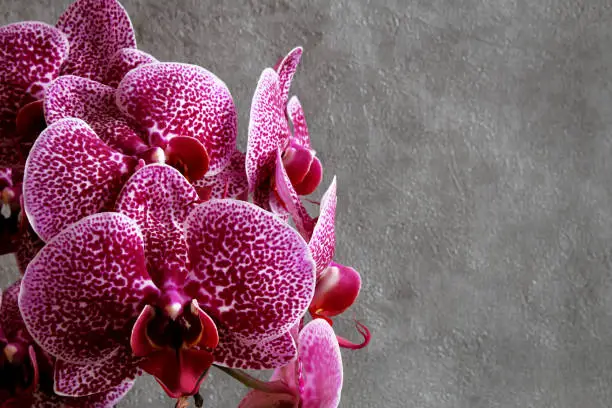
(70,174)
(322,243)
(81,380)
(319,354)
(259,399)
(298,120)
(158,198)
(250,271)
(125,60)
(75,97)
(96,29)
(265,128)
(80,292)
(235,353)
(107,399)
(287,194)
(231,182)
(286,70)
(172,99)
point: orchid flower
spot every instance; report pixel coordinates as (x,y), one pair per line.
(92,39)
(77,167)
(316,375)
(275,157)
(26,372)
(167,285)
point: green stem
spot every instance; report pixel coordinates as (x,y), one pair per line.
(273,387)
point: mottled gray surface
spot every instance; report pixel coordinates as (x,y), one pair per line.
(471,142)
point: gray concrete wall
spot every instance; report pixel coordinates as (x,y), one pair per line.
(471,140)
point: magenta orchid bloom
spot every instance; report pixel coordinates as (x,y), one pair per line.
(168,286)
(316,375)
(26,372)
(98,136)
(277,161)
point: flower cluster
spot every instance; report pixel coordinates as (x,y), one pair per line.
(148,243)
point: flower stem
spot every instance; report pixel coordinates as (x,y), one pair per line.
(273,387)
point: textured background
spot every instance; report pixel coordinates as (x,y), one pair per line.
(471,142)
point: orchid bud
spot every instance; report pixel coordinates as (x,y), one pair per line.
(337,288)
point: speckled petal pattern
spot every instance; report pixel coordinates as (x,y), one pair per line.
(251,271)
(298,120)
(172,99)
(286,70)
(79,293)
(230,183)
(125,60)
(319,353)
(303,222)
(74,97)
(11,322)
(232,352)
(29,245)
(80,380)
(159,198)
(258,399)
(70,173)
(322,244)
(32,54)
(265,128)
(96,29)
(101,400)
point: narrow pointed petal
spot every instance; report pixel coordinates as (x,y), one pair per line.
(125,60)
(108,399)
(286,70)
(300,129)
(265,128)
(322,244)
(172,99)
(32,54)
(365,333)
(158,198)
(96,29)
(321,365)
(303,222)
(250,271)
(80,380)
(234,353)
(337,289)
(259,399)
(75,97)
(80,293)
(70,174)
(231,182)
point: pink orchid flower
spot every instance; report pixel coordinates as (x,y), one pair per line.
(92,39)
(272,149)
(316,375)
(98,136)
(167,285)
(26,372)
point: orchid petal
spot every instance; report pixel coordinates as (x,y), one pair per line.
(32,54)
(96,29)
(70,174)
(75,97)
(125,60)
(322,243)
(286,70)
(303,222)
(233,352)
(231,182)
(84,288)
(172,99)
(11,323)
(106,399)
(319,353)
(81,380)
(259,399)
(250,271)
(298,120)
(158,198)
(265,128)
(29,245)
